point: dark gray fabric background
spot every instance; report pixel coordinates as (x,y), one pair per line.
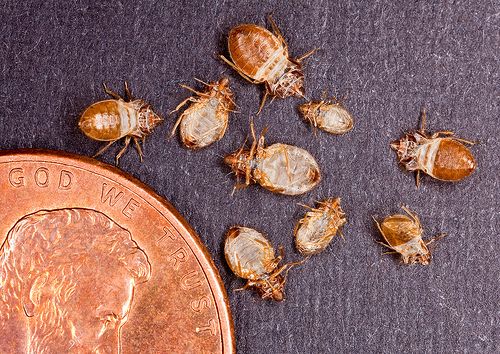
(389,57)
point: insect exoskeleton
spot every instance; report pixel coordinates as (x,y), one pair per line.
(112,120)
(262,57)
(403,234)
(251,256)
(328,115)
(205,120)
(280,168)
(315,231)
(440,155)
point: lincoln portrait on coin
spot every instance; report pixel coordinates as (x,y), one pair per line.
(67,282)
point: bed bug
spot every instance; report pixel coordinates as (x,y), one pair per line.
(205,120)
(440,155)
(403,235)
(262,57)
(280,168)
(117,118)
(328,115)
(251,256)
(315,231)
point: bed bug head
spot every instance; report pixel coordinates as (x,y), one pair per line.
(239,161)
(419,255)
(148,119)
(335,211)
(272,288)
(225,94)
(406,149)
(309,111)
(291,83)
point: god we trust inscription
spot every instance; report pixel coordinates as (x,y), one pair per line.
(91,260)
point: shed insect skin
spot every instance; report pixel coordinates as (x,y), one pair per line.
(261,56)
(403,235)
(440,155)
(262,165)
(314,232)
(117,118)
(251,256)
(329,115)
(205,121)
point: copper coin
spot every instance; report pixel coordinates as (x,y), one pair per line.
(93,261)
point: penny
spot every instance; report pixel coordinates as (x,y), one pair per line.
(92,260)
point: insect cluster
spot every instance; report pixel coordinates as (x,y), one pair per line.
(250,255)
(261,57)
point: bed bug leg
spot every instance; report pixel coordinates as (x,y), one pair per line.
(122,151)
(276,29)
(186,101)
(287,162)
(111,92)
(436,238)
(245,287)
(228,62)
(411,214)
(423,120)
(262,102)
(104,148)
(138,148)
(306,55)
(380,230)
(417,178)
(128,93)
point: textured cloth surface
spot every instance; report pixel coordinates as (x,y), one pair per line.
(389,58)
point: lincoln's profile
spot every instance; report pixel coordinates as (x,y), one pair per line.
(67,280)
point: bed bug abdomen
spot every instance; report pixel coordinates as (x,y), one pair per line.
(329,116)
(315,231)
(255,51)
(111,120)
(286,169)
(108,120)
(440,155)
(403,234)
(262,57)
(205,120)
(248,253)
(399,229)
(453,161)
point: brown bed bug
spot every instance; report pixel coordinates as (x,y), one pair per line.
(205,120)
(315,231)
(262,57)
(403,235)
(328,115)
(117,118)
(251,256)
(280,168)
(440,155)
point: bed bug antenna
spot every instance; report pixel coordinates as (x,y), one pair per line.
(203,82)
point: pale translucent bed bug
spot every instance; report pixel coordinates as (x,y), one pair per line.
(262,57)
(315,231)
(439,155)
(280,168)
(403,235)
(328,115)
(251,256)
(205,120)
(112,120)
